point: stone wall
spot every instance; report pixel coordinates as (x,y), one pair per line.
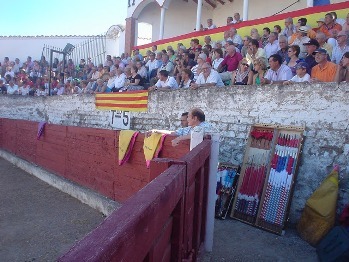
(322,108)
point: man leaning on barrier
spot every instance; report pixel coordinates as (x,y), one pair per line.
(196,122)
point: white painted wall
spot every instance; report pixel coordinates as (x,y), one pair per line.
(180,18)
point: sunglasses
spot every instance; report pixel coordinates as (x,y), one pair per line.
(244,64)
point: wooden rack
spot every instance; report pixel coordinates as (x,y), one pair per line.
(267,176)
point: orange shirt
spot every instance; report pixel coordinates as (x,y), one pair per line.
(325,74)
(328,30)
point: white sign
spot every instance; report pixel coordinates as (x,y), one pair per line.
(120,119)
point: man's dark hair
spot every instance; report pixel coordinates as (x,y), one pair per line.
(275,34)
(164,73)
(198,113)
(334,15)
(185,114)
(267,29)
(255,42)
(303,21)
(276,58)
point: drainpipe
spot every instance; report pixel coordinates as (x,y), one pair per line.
(162,22)
(198,16)
(310,3)
(245,11)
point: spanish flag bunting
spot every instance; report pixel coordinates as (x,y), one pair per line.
(134,101)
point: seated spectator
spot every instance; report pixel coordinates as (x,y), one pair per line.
(237,40)
(60,89)
(237,19)
(289,29)
(283,48)
(301,74)
(272,46)
(241,76)
(320,23)
(119,81)
(177,72)
(293,54)
(255,52)
(303,22)
(12,89)
(142,71)
(110,84)
(135,81)
(230,20)
(311,46)
(218,58)
(210,24)
(3,88)
(226,38)
(330,28)
(277,29)
(337,20)
(83,86)
(208,41)
(342,72)
(171,54)
(186,78)
(23,88)
(340,48)
(278,72)
(99,86)
(321,38)
(207,78)
(324,71)
(165,81)
(246,41)
(301,39)
(265,36)
(152,65)
(188,60)
(9,72)
(194,45)
(231,60)
(137,56)
(196,70)
(166,64)
(260,68)
(17,65)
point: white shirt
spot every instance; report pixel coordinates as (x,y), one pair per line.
(300,43)
(284,73)
(12,89)
(111,82)
(337,53)
(213,77)
(152,65)
(170,82)
(272,48)
(119,81)
(212,26)
(298,79)
(216,63)
(24,90)
(237,39)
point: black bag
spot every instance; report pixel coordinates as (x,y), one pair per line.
(334,246)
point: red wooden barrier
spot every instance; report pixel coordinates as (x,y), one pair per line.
(162,222)
(87,156)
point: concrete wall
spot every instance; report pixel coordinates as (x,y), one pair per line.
(322,109)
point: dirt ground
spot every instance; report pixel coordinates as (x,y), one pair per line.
(37,221)
(236,241)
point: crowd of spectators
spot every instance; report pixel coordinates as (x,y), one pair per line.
(284,54)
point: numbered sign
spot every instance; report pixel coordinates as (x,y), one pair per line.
(120,119)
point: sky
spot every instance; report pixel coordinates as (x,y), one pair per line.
(62,17)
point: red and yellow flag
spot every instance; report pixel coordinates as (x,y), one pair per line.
(135,101)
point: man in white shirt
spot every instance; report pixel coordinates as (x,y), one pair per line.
(210,24)
(152,63)
(278,72)
(165,81)
(340,48)
(12,89)
(208,77)
(119,80)
(273,45)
